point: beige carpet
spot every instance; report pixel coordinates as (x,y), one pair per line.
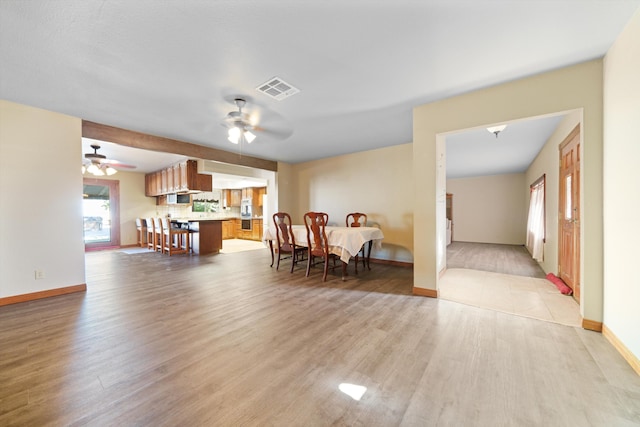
(230,246)
(522,296)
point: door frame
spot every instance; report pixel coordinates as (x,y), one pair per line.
(114,210)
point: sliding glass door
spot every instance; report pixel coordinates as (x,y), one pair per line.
(101,213)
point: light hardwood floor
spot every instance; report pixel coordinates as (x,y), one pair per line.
(226,340)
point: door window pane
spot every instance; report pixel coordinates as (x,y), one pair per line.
(96,210)
(568,202)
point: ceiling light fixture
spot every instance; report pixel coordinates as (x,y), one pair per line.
(238,134)
(98,170)
(496,129)
(239,125)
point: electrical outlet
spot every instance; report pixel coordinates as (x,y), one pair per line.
(39,274)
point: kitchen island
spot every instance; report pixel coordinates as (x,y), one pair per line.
(205,234)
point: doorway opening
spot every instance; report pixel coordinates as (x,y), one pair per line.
(101,213)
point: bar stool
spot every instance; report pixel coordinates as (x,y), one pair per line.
(158,235)
(151,240)
(176,240)
(141,231)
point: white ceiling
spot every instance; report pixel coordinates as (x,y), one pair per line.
(172,68)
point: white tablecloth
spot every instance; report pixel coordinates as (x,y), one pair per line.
(343,241)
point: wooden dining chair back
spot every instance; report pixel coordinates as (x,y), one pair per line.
(286,240)
(358,219)
(141,232)
(317,242)
(158,235)
(151,229)
(174,238)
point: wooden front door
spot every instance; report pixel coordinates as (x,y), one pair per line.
(569,212)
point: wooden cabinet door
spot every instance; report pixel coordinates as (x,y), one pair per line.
(183,171)
(170,186)
(177,177)
(247,193)
(258,193)
(158,182)
(204,182)
(236,197)
(147,186)
(164,184)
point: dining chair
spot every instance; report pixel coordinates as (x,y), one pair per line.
(358,219)
(141,232)
(317,242)
(151,228)
(286,241)
(173,238)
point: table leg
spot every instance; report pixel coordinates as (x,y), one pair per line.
(369,254)
(271,249)
(344,270)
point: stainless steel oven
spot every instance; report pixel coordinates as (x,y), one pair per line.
(245,214)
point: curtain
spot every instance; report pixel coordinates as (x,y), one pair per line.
(535,222)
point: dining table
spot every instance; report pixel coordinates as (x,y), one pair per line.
(345,242)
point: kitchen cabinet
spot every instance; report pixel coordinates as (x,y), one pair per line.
(180,178)
(226,198)
(164,187)
(228,229)
(247,193)
(258,192)
(254,234)
(158,183)
(208,238)
(236,198)
(147,185)
(170,187)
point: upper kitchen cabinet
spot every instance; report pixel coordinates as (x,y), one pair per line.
(236,198)
(180,178)
(258,192)
(247,193)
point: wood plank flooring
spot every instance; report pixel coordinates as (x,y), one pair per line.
(225,340)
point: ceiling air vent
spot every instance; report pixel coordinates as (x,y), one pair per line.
(277,88)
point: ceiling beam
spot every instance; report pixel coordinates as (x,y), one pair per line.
(166,145)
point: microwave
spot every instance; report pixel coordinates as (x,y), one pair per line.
(174,199)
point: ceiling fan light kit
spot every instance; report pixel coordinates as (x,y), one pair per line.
(99,165)
(239,124)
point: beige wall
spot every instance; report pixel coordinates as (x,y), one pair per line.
(40,200)
(622,186)
(133,204)
(376,182)
(547,163)
(570,88)
(489,209)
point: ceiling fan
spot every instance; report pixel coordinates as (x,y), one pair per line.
(241,125)
(98,164)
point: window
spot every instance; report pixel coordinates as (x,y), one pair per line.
(536,219)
